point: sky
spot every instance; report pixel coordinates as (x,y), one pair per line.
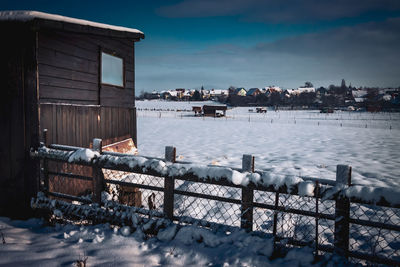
(250,43)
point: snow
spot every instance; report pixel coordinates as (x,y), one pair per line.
(167,234)
(83,155)
(285,152)
(33,243)
(27,15)
(284,143)
(373,195)
(306,188)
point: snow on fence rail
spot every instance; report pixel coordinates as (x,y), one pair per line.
(355,221)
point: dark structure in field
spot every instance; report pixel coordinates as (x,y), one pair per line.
(214,110)
(210,110)
(197,110)
(70,76)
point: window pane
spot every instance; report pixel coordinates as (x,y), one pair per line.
(112,70)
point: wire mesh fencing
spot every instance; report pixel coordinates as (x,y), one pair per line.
(365,232)
(135,196)
(373,232)
(205,203)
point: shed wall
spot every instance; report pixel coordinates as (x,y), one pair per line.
(69,69)
(18,120)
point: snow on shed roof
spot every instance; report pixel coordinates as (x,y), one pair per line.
(60,21)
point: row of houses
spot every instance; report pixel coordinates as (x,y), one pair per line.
(269,90)
(188,94)
(213,94)
(274,95)
(381,94)
(207,94)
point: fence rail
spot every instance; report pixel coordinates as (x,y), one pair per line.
(312,212)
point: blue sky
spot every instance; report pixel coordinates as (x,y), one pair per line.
(251,43)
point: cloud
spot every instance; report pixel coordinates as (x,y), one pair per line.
(368,40)
(277,11)
(365,54)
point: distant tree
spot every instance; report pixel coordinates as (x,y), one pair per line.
(308,85)
(196,96)
(261,99)
(307,98)
(329,100)
(275,98)
(322,90)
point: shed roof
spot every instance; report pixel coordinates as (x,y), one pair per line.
(214,107)
(46,20)
(252,91)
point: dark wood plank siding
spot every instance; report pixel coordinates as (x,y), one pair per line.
(69,66)
(77,125)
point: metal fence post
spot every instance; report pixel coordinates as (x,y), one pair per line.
(169,184)
(98,177)
(342,212)
(45,168)
(246,220)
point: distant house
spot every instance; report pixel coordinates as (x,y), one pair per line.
(165,95)
(253,92)
(271,89)
(240,92)
(155,95)
(306,90)
(218,92)
(205,94)
(359,95)
(187,95)
(179,92)
(301,90)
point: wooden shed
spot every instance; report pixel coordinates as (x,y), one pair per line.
(74,77)
(214,110)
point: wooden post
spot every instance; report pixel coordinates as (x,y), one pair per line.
(169,184)
(98,177)
(246,221)
(45,168)
(275,226)
(342,212)
(170,154)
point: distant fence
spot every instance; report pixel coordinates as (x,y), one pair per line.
(296,212)
(382,120)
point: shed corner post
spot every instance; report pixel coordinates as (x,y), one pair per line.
(169,184)
(342,212)
(246,220)
(98,177)
(45,167)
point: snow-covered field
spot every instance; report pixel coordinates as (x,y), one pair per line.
(304,143)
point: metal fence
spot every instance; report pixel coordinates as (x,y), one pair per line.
(326,220)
